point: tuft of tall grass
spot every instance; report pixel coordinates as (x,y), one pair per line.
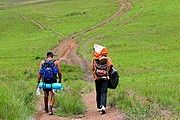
(16,100)
(69,104)
(69,101)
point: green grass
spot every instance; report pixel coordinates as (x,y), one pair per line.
(16,100)
(143,44)
(144,47)
(69,101)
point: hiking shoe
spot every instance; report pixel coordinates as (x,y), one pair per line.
(103,110)
(98,110)
(46,110)
(50,112)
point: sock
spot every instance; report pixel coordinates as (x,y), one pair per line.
(51,107)
(46,106)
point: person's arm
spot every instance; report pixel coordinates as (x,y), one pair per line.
(93,69)
(110,64)
(92,64)
(59,71)
(38,81)
(39,75)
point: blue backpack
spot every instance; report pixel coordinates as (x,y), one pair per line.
(48,71)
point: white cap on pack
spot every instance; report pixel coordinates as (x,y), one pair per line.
(98,48)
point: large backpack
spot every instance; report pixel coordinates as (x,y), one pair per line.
(48,71)
(101,69)
(113,79)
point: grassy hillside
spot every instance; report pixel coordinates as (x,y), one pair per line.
(144,47)
(28,31)
(143,44)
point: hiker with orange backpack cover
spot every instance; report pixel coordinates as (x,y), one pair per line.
(101,66)
(41,73)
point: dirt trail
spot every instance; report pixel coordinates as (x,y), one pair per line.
(66,51)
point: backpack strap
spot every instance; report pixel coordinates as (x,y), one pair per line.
(107,77)
(44,85)
(45,60)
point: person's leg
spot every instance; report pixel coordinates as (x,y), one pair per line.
(51,103)
(46,94)
(98,93)
(104,95)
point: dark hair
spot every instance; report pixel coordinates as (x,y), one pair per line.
(50,54)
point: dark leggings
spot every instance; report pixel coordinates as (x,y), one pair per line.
(101,92)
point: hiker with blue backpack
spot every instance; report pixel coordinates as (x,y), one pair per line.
(49,69)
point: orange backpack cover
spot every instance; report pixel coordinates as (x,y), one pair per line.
(99,51)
